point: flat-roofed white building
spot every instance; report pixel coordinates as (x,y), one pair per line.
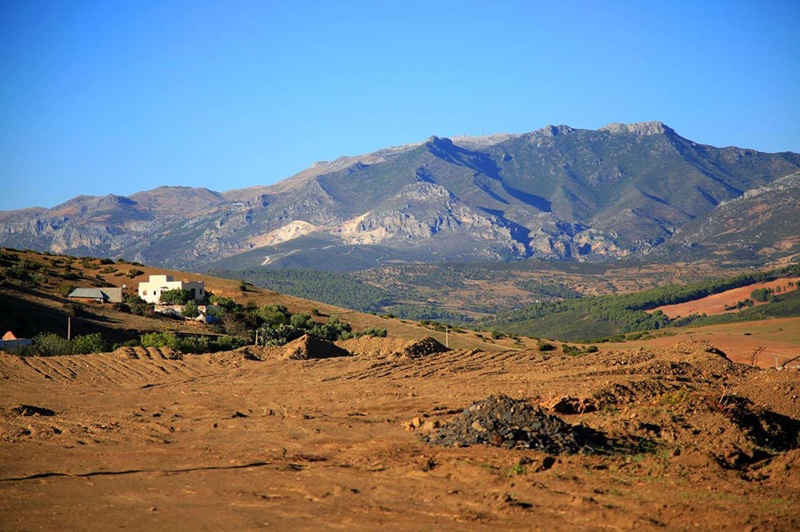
(151,290)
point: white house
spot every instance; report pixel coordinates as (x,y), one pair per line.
(152,289)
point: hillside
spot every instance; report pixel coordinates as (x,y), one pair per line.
(32,301)
(555,193)
(600,317)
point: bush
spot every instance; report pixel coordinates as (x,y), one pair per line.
(160,339)
(90,343)
(280,334)
(190,310)
(545,346)
(133,273)
(373,331)
(301,321)
(570,349)
(65,289)
(138,306)
(274,315)
(51,344)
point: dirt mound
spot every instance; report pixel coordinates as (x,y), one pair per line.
(307,347)
(374,347)
(512,424)
(777,390)
(705,358)
(424,347)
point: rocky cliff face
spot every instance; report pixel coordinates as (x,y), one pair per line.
(555,193)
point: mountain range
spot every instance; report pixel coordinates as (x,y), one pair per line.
(556,193)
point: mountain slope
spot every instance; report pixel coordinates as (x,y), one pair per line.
(761,223)
(555,193)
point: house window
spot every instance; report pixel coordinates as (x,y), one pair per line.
(144,292)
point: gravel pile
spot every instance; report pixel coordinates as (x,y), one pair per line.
(513,424)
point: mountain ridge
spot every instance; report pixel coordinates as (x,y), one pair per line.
(556,193)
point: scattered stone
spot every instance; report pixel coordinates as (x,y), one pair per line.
(513,424)
(572,405)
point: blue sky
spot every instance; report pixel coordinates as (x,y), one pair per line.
(101,97)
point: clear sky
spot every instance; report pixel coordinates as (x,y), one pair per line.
(116,96)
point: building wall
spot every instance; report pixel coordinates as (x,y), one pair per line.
(151,290)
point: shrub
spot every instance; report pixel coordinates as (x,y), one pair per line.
(373,331)
(280,334)
(133,273)
(570,349)
(301,321)
(65,289)
(160,339)
(51,344)
(274,315)
(545,346)
(138,306)
(90,343)
(190,310)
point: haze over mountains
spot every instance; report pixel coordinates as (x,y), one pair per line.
(555,193)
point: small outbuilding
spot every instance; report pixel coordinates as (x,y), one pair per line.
(102,295)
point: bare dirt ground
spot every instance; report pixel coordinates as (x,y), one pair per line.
(277,438)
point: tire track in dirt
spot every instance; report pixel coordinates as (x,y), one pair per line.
(53,369)
(105,368)
(36,365)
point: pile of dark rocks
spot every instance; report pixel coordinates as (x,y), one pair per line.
(513,424)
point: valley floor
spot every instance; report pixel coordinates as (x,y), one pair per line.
(139,440)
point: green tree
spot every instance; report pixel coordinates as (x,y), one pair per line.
(301,321)
(176,296)
(274,315)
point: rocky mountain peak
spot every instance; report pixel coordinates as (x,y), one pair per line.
(639,128)
(552,131)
